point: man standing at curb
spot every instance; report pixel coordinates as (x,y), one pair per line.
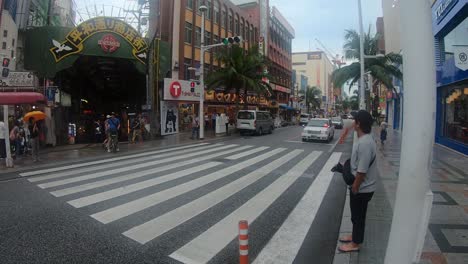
(364,185)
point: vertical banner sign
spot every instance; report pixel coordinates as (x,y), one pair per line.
(169,118)
(461,57)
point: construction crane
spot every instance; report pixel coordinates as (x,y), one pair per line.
(337,61)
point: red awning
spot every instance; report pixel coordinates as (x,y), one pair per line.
(14,98)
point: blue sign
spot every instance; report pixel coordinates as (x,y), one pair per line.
(443,9)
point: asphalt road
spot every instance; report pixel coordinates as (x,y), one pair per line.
(180,204)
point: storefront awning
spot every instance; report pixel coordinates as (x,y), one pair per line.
(14,98)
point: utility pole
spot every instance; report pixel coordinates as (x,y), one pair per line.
(414,198)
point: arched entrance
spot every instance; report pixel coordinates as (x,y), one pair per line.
(97,68)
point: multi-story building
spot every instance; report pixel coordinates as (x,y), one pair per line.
(9,34)
(318,68)
(275,42)
(179,24)
(450,27)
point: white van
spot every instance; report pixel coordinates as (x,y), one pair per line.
(254,122)
(304,119)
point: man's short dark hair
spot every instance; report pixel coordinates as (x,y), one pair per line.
(365,121)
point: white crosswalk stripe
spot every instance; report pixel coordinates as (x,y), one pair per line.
(97,184)
(117,190)
(126,169)
(132,207)
(37,172)
(208,244)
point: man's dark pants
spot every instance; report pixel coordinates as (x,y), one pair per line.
(358,203)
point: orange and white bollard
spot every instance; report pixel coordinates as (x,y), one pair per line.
(243,242)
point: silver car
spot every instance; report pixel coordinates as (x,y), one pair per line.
(318,129)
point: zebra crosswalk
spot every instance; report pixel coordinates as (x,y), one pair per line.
(121,188)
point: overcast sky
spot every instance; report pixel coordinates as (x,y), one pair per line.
(325,20)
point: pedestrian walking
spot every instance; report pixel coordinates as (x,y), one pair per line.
(136,127)
(195,128)
(213,120)
(98,131)
(364,169)
(227,124)
(383,133)
(15,139)
(3,134)
(34,129)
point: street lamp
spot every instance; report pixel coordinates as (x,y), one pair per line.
(201,116)
(362,92)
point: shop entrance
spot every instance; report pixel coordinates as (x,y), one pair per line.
(100,86)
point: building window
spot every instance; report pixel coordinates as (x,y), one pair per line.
(188,33)
(237,27)
(456,37)
(3,45)
(246,32)
(12,54)
(215,39)
(187,72)
(207,38)
(12,42)
(216,12)
(189,4)
(209,10)
(455,113)
(223,18)
(197,36)
(252,34)
(5,33)
(230,22)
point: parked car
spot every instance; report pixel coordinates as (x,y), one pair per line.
(337,122)
(254,122)
(304,119)
(319,129)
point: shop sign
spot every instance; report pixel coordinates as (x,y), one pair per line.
(282,89)
(443,9)
(169,118)
(180,90)
(461,57)
(314,56)
(109,43)
(18,79)
(74,41)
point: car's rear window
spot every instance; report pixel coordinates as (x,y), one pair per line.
(245,115)
(304,116)
(317,123)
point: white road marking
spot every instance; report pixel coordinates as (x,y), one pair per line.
(113,165)
(129,168)
(37,172)
(139,186)
(101,183)
(158,226)
(247,153)
(208,244)
(298,223)
(132,207)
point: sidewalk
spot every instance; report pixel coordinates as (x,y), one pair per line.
(85,152)
(447,236)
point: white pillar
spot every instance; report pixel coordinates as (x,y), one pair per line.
(362,88)
(8,160)
(411,207)
(202,78)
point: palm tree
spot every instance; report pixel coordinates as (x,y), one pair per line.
(242,70)
(382,69)
(313,98)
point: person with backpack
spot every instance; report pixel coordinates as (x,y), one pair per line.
(360,173)
(114,127)
(136,127)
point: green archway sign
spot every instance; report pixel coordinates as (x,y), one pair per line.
(74,41)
